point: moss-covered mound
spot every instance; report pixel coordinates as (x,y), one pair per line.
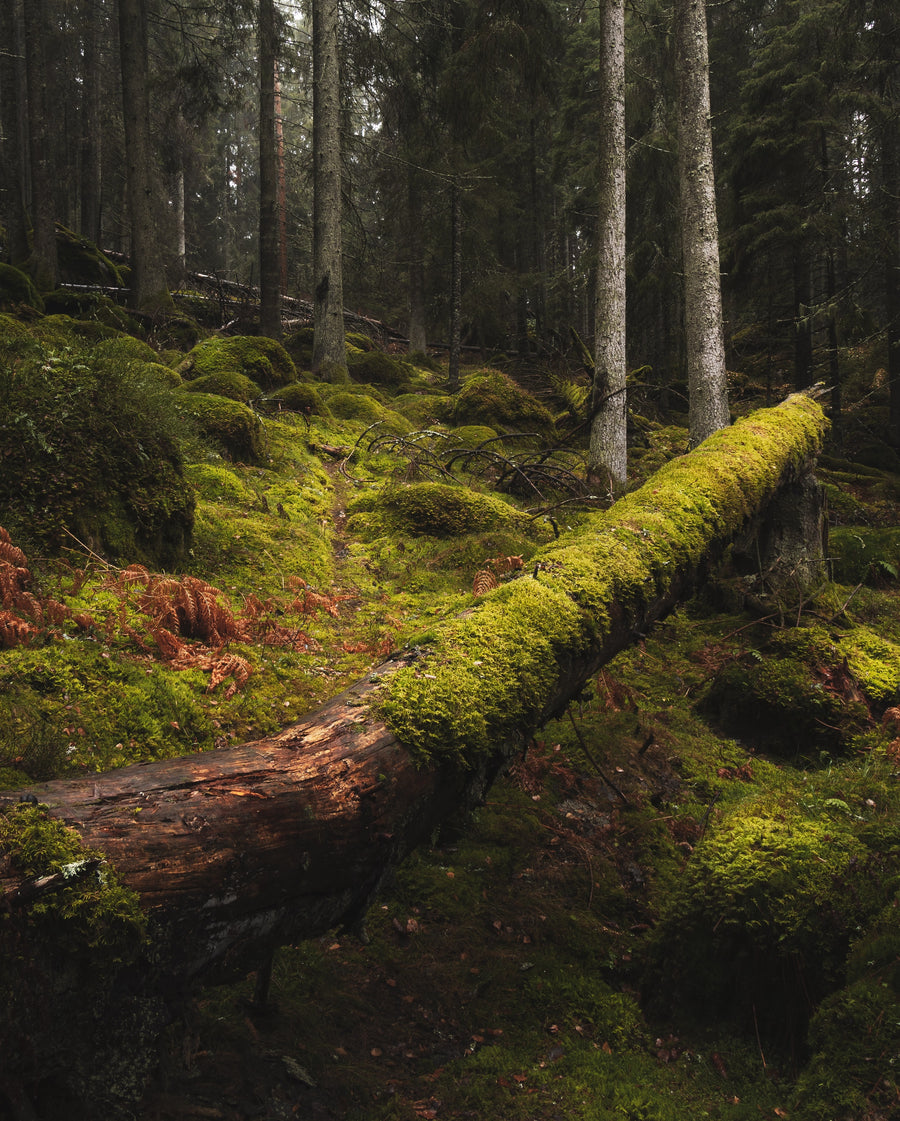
(229,425)
(361,406)
(758,930)
(301,397)
(226,383)
(376,367)
(81,262)
(17,290)
(424,410)
(435,509)
(124,349)
(799,694)
(90,449)
(473,435)
(490,398)
(262,360)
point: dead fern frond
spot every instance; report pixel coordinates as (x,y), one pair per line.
(10,553)
(484,582)
(15,631)
(170,645)
(502,565)
(230,665)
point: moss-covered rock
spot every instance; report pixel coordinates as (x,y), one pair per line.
(124,349)
(263,360)
(359,341)
(798,696)
(376,367)
(299,345)
(229,425)
(301,397)
(491,398)
(90,448)
(81,262)
(435,509)
(18,290)
(423,410)
(758,929)
(360,406)
(473,435)
(226,383)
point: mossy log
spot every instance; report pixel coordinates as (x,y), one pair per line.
(231,853)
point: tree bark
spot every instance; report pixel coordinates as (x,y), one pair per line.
(416,248)
(91,12)
(43,264)
(329,360)
(237,851)
(149,291)
(455,286)
(608,452)
(704,338)
(12,158)
(269,278)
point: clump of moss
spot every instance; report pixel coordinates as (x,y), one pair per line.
(91,448)
(799,694)
(301,397)
(758,928)
(376,367)
(489,397)
(229,425)
(81,262)
(360,406)
(262,360)
(437,509)
(226,383)
(124,348)
(358,341)
(17,290)
(424,410)
(472,435)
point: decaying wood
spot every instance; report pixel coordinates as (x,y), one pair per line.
(236,851)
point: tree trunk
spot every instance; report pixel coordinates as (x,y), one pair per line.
(149,292)
(704,339)
(282,187)
(269,279)
(90,172)
(416,248)
(43,264)
(608,453)
(236,851)
(329,350)
(455,286)
(12,151)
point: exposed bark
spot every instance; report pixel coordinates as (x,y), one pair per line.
(329,360)
(90,175)
(416,249)
(12,160)
(608,453)
(455,286)
(42,264)
(149,291)
(704,340)
(234,852)
(269,278)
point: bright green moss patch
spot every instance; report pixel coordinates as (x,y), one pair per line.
(435,509)
(623,556)
(262,360)
(228,425)
(362,407)
(226,383)
(490,398)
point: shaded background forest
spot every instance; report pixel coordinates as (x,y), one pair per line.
(495,103)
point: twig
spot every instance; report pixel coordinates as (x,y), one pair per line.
(594,762)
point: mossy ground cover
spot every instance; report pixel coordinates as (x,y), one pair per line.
(512,961)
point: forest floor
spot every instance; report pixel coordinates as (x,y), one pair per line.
(647,914)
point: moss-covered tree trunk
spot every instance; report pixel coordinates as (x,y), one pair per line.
(231,853)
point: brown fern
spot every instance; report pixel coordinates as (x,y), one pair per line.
(15,631)
(484,581)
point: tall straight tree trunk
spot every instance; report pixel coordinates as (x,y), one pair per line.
(455,286)
(43,262)
(329,350)
(607,457)
(704,335)
(149,292)
(888,28)
(282,187)
(269,279)
(12,160)
(416,249)
(91,140)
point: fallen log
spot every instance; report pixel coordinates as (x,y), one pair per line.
(119,891)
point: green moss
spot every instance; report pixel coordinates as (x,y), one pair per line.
(434,509)
(374,366)
(124,349)
(301,397)
(81,262)
(225,383)
(262,360)
(874,663)
(622,557)
(424,410)
(17,290)
(860,554)
(473,435)
(360,406)
(228,425)
(91,447)
(490,398)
